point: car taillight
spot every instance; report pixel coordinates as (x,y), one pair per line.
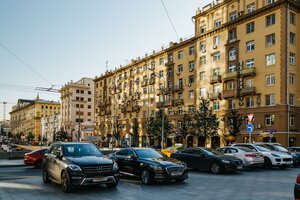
(298,179)
(250,155)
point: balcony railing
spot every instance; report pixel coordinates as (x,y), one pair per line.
(178,102)
(229,93)
(178,88)
(136,108)
(215,79)
(144,83)
(169,103)
(248,71)
(248,91)
(152,81)
(229,76)
(159,104)
(214,95)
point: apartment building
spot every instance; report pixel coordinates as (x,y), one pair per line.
(243,56)
(77,106)
(25,117)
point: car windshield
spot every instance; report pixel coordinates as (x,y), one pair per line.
(280,148)
(211,152)
(147,153)
(78,150)
(260,148)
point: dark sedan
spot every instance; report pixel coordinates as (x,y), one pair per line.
(149,165)
(208,159)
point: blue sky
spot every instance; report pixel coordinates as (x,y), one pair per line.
(66,40)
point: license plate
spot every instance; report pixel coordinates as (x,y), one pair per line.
(240,167)
(99,179)
(176,173)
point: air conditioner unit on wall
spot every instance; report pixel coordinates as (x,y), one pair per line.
(215,46)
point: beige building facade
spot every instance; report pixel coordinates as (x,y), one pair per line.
(243,56)
(77,106)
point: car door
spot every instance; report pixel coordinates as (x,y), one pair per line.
(57,164)
(120,157)
(50,161)
(203,159)
(192,157)
(131,164)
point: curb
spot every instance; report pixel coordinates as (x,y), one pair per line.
(21,165)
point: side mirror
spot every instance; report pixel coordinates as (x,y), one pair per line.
(59,156)
(132,158)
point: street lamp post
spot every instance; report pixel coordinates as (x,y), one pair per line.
(163,108)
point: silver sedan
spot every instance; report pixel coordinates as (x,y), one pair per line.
(250,157)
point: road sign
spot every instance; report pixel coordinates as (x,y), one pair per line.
(250,117)
(250,128)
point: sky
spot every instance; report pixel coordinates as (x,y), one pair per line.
(51,42)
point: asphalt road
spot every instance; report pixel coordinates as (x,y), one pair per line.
(25,183)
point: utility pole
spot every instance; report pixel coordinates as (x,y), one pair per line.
(79,135)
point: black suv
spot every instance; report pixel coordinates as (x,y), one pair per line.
(76,164)
(149,165)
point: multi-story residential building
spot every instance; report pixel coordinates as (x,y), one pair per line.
(26,116)
(77,106)
(50,126)
(243,56)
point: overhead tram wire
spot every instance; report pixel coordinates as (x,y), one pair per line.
(26,64)
(30,89)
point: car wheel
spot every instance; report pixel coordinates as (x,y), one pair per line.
(282,166)
(65,183)
(146,177)
(268,163)
(38,164)
(46,176)
(215,168)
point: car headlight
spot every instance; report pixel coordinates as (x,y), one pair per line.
(225,161)
(275,155)
(115,167)
(155,167)
(75,168)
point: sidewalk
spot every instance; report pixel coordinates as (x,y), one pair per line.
(11,163)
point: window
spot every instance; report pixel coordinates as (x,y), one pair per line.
(180,110)
(89,92)
(233,16)
(231,85)
(292,38)
(270,20)
(180,68)
(170,58)
(269,120)
(216,105)
(202,76)
(180,83)
(292,18)
(270,79)
(202,47)
(217,40)
(161,74)
(270,59)
(191,94)
(250,46)
(216,89)
(202,29)
(145,90)
(180,54)
(231,104)
(191,65)
(232,35)
(89,106)
(251,8)
(292,120)
(191,50)
(270,99)
(216,72)
(292,79)
(249,83)
(152,65)
(89,99)
(232,54)
(270,1)
(203,92)
(218,23)
(292,58)
(161,61)
(250,27)
(250,63)
(202,60)
(249,102)
(292,99)
(217,56)
(270,40)
(191,79)
(231,68)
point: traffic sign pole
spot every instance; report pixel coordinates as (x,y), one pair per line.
(250,129)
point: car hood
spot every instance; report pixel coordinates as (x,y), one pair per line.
(90,160)
(227,157)
(163,161)
(281,154)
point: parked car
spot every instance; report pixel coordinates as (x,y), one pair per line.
(272,158)
(149,165)
(35,158)
(168,151)
(208,159)
(279,147)
(76,164)
(249,157)
(297,188)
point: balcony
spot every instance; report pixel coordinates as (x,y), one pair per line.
(248,71)
(168,90)
(169,62)
(229,94)
(169,103)
(136,108)
(178,88)
(214,95)
(215,79)
(128,109)
(178,102)
(159,104)
(229,76)
(144,83)
(152,81)
(136,96)
(247,91)
(123,109)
